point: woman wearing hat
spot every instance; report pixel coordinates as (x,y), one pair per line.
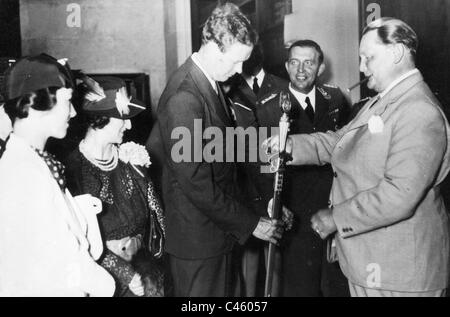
(132,219)
(49,241)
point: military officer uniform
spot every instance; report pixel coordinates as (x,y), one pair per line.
(305,271)
(244,103)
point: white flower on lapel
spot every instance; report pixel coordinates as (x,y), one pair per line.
(376,124)
(134,153)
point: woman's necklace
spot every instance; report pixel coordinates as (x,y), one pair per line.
(104,165)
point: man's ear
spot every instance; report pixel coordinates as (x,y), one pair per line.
(398,50)
(321,69)
(286,66)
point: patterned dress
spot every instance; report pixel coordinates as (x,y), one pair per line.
(130,209)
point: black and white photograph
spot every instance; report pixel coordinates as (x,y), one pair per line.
(224,153)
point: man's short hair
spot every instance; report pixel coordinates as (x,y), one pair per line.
(392,31)
(307,43)
(228,25)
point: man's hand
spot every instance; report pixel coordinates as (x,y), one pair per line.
(323,223)
(136,286)
(269,230)
(287,218)
(272,145)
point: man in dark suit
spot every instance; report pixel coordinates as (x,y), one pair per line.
(203,214)
(315,107)
(247,91)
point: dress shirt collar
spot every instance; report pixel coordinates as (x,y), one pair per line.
(301,97)
(260,76)
(195,59)
(397,81)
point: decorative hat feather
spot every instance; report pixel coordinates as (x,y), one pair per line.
(95,92)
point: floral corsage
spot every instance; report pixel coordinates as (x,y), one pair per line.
(135,154)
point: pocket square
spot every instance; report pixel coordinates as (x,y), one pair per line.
(376,124)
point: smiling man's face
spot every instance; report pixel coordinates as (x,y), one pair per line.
(303,68)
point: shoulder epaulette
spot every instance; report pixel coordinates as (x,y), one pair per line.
(242,106)
(330,86)
(324,93)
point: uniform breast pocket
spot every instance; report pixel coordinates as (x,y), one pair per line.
(334,119)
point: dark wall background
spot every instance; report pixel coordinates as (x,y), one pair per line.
(10,41)
(9,28)
(431,21)
(267,16)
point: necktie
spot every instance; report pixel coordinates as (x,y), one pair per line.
(255,86)
(224,102)
(309,109)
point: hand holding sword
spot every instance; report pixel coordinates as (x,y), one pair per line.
(283,157)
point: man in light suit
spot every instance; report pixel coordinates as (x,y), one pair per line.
(204,215)
(387,215)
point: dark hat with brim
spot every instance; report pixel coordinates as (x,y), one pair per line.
(107,106)
(32,73)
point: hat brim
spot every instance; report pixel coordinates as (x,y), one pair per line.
(135,106)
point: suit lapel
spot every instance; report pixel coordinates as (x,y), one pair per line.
(224,102)
(246,94)
(377,108)
(211,98)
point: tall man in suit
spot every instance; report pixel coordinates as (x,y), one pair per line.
(253,87)
(203,214)
(388,217)
(315,107)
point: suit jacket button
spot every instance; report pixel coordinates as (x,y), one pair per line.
(335,174)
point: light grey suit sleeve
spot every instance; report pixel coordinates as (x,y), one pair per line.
(316,148)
